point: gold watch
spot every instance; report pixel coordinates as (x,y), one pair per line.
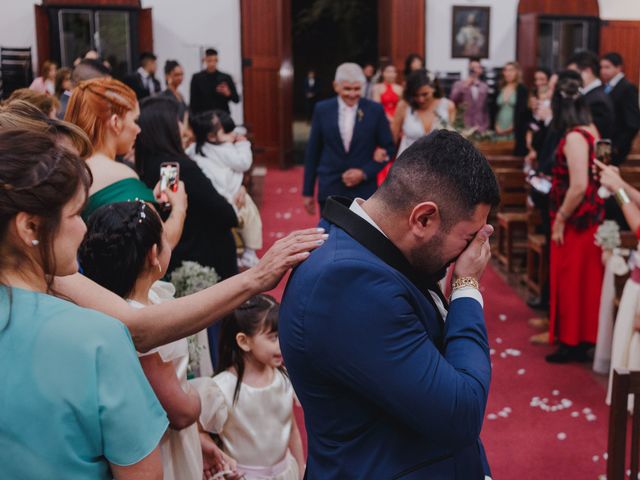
(464,282)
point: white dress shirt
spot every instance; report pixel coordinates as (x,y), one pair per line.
(614,81)
(468,292)
(346,122)
(147,81)
(595,84)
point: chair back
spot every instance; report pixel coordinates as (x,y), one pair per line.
(625,383)
(513,189)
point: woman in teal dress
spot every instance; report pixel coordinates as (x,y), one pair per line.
(75,403)
(107,110)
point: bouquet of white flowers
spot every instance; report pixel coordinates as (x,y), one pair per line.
(608,235)
(189,278)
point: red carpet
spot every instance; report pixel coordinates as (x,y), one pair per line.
(562,434)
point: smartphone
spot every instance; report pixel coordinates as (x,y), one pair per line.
(169,176)
(603,150)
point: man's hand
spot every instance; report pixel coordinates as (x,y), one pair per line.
(353,177)
(223,89)
(240,198)
(309,205)
(380,155)
(474,259)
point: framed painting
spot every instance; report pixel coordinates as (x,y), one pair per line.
(470,32)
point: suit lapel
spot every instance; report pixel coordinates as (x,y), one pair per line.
(337,211)
(357,126)
(335,124)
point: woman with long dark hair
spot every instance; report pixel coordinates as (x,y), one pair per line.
(174,75)
(422,110)
(576,212)
(511,107)
(70,369)
(206,237)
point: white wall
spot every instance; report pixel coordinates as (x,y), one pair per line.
(619,9)
(502,35)
(18,25)
(182,28)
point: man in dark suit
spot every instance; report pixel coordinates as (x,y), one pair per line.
(624,95)
(144,81)
(389,389)
(342,151)
(601,106)
(212,89)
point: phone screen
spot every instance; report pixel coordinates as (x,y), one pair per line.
(169,176)
(603,151)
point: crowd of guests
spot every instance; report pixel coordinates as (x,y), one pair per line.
(88,235)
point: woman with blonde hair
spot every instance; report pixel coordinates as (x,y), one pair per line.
(107,110)
(512,109)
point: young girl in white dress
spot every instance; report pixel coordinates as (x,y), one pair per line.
(126,251)
(224,158)
(250,403)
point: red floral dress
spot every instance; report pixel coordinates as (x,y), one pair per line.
(576,270)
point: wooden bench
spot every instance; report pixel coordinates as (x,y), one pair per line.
(625,383)
(537,263)
(505,161)
(512,215)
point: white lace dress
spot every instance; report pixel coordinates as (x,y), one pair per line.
(413,128)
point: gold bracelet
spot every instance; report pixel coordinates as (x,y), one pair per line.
(621,197)
(464,282)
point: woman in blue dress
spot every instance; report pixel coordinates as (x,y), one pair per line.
(74,401)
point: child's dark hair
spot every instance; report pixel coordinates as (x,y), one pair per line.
(205,124)
(257,315)
(119,237)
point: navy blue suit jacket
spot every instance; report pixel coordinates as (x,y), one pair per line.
(387,391)
(326,159)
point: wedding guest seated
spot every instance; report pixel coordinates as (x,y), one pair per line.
(224,158)
(388,92)
(46,82)
(70,369)
(126,251)
(249,404)
(512,111)
(47,104)
(576,269)
(422,110)
(107,110)
(472,94)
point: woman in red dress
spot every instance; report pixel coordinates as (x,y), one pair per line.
(388,93)
(576,212)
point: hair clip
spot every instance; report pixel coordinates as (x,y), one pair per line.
(572,97)
(143,215)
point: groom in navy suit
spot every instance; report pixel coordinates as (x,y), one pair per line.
(349,144)
(392,377)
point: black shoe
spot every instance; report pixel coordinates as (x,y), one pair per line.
(538,304)
(561,355)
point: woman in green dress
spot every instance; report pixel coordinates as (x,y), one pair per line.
(107,110)
(75,402)
(511,108)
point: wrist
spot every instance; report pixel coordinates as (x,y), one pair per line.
(621,197)
(561,217)
(250,281)
(464,281)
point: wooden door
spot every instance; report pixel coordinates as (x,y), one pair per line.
(527,45)
(43,36)
(267,79)
(623,36)
(401,31)
(145,31)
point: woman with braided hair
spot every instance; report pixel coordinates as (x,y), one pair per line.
(576,270)
(107,110)
(70,369)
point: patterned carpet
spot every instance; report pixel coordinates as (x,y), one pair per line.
(542,421)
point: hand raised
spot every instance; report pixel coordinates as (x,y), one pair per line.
(474,259)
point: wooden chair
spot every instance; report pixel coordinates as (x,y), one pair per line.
(625,383)
(512,216)
(537,263)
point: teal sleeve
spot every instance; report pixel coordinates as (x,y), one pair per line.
(132,420)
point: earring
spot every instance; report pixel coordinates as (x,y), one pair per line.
(35,243)
(159,268)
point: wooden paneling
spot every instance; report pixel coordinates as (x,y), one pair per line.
(623,36)
(527,47)
(588,8)
(145,31)
(267,79)
(92,3)
(43,36)
(401,30)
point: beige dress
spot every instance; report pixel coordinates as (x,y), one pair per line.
(180,449)
(256,430)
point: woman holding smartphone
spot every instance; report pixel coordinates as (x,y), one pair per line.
(107,110)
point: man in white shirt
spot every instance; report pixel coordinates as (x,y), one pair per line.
(143,81)
(343,152)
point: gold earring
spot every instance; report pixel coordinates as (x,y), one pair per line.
(159,268)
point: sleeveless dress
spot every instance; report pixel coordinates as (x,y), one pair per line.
(124,190)
(389,100)
(506,112)
(576,269)
(413,128)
